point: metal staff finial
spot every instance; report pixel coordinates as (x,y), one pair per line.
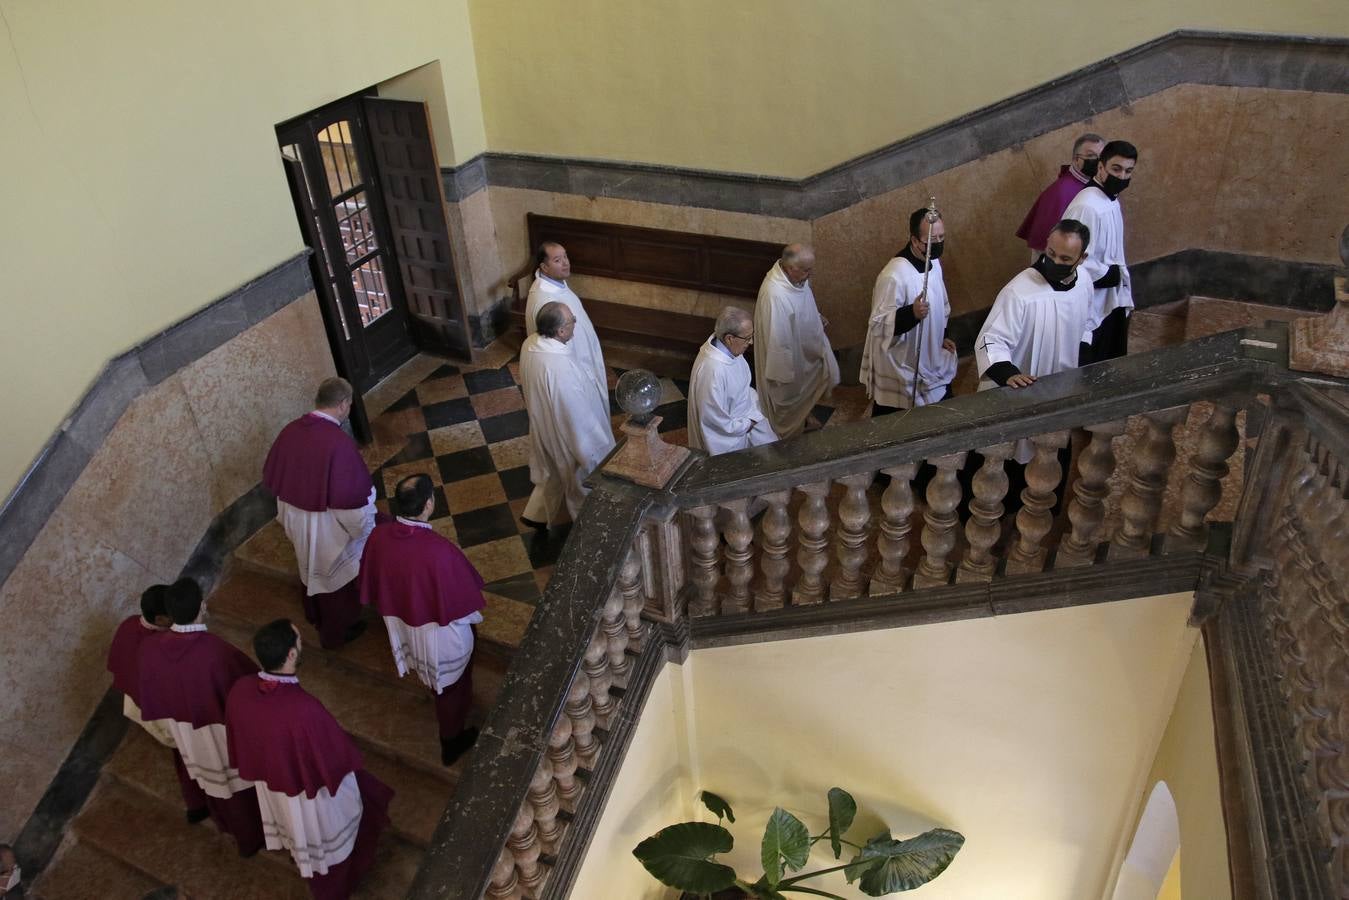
(932,216)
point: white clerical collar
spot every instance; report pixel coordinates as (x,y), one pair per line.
(414,522)
(551,280)
(324,415)
(1078,175)
(149,626)
(282,679)
(188,629)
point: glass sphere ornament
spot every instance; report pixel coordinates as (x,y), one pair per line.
(638,394)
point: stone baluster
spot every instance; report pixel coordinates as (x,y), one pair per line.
(984,527)
(1203,488)
(854,514)
(581,711)
(563,762)
(811,557)
(1033,520)
(775,530)
(526,848)
(705,549)
(504,883)
(595,665)
(1142,500)
(739,555)
(613,633)
(940,522)
(1086,511)
(630,587)
(897,504)
(543,798)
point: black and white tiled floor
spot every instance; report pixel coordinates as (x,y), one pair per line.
(466,427)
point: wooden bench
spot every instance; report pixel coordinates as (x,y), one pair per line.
(697,262)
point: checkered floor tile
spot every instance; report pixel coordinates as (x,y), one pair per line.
(466,427)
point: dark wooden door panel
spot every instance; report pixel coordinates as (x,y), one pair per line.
(409,174)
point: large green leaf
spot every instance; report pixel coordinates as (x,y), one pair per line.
(842,810)
(720,808)
(784,840)
(680,856)
(886,866)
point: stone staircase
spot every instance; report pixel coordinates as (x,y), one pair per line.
(131,835)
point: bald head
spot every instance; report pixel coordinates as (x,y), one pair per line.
(556,320)
(798,261)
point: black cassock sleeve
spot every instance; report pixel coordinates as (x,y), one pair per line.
(1000,372)
(1110,279)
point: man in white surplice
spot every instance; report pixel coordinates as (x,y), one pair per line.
(794,361)
(724,413)
(1040,320)
(550,286)
(1097,207)
(907,330)
(570,431)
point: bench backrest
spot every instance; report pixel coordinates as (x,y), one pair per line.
(682,259)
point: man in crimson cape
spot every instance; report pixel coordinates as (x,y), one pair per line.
(430,597)
(325,501)
(185,675)
(317,800)
(124,664)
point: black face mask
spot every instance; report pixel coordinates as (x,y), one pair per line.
(1054,272)
(1113,186)
(1089,167)
(934,252)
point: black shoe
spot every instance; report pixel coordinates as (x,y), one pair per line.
(196,815)
(453,748)
(537,526)
(354,632)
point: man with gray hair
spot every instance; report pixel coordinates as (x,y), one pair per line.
(1049,207)
(793,358)
(569,427)
(724,412)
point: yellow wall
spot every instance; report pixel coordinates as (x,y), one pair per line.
(1187,761)
(790,87)
(142,174)
(1032,746)
(653,789)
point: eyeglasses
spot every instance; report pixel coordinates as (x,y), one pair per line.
(747,340)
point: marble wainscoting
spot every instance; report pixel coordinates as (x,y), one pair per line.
(1220,167)
(181,452)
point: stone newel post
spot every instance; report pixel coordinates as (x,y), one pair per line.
(644,457)
(1321,344)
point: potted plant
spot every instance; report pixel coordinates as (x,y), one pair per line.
(683,856)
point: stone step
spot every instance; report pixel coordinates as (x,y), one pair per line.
(80,871)
(152,837)
(419,798)
(270,553)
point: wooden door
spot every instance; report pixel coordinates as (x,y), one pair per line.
(414,200)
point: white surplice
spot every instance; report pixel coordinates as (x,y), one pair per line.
(156,728)
(319,832)
(1035,328)
(1105,220)
(724,412)
(204,750)
(439,654)
(795,364)
(569,426)
(888,362)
